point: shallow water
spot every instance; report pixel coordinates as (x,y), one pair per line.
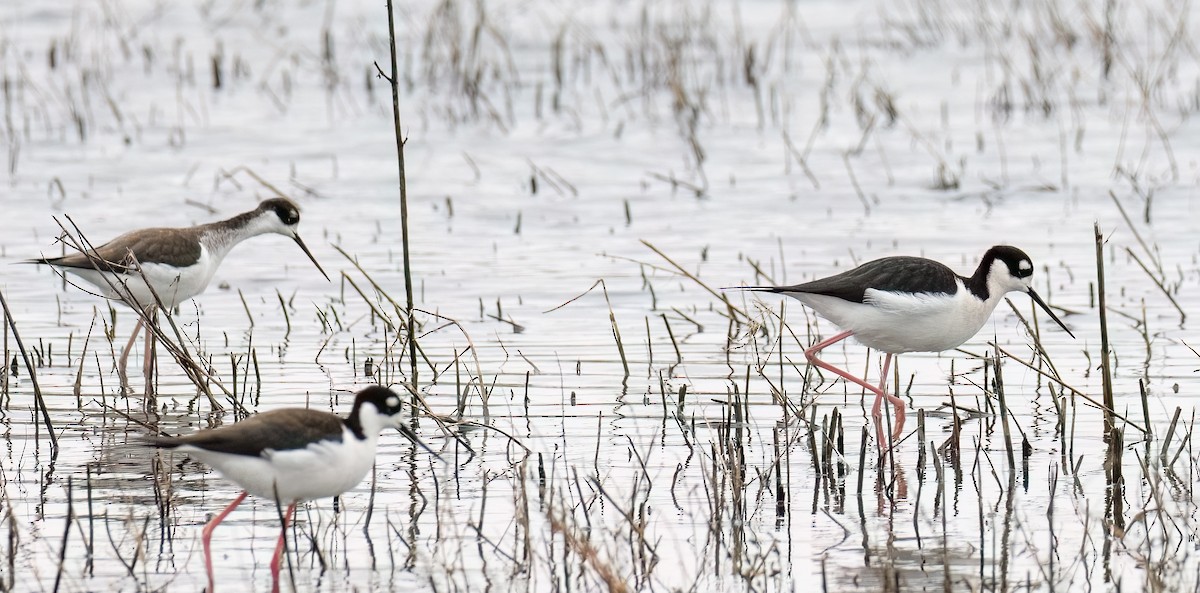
(525,188)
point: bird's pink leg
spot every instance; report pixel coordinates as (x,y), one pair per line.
(811,355)
(897,403)
(124,362)
(275,560)
(206,536)
(880,391)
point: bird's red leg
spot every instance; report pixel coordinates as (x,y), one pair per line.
(811,355)
(206,536)
(275,560)
(124,362)
(897,403)
(880,391)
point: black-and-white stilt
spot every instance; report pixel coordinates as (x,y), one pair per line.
(911,304)
(146,267)
(293,455)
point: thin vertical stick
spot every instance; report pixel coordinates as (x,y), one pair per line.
(1109,421)
(408,289)
(1166,445)
(286,318)
(37,390)
(612,318)
(91,540)
(62,551)
(998,385)
(1145,408)
(862,461)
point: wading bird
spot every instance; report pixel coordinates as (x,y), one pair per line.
(167,266)
(911,304)
(293,455)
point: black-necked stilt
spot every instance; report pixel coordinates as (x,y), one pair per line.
(911,304)
(293,455)
(171,265)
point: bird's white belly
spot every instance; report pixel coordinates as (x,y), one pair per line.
(172,285)
(904,322)
(318,471)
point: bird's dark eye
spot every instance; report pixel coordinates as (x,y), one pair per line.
(1024,269)
(289,216)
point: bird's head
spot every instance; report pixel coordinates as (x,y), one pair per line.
(282,216)
(1009,270)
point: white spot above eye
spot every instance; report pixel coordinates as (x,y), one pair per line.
(393,401)
(1024,265)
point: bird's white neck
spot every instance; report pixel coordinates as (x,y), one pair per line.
(220,237)
(372,422)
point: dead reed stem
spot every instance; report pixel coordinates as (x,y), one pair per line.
(612,318)
(1105,364)
(394,81)
(39,401)
(998,382)
(734,312)
(581,546)
(1100,406)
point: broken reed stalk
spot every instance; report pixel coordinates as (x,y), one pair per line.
(1145,407)
(1187,439)
(584,549)
(1073,390)
(1136,234)
(862,459)
(1166,444)
(90,545)
(5,373)
(39,401)
(1105,364)
(998,381)
(62,551)
(246,306)
(77,388)
(612,318)
(734,312)
(408,288)
(674,343)
(1035,330)
(483,390)
(286,318)
(1159,284)
(1115,479)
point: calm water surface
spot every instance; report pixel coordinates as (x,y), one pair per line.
(555,144)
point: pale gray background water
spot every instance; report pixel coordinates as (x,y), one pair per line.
(126,130)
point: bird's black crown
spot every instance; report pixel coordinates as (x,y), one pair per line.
(287,212)
(1019,264)
(388,402)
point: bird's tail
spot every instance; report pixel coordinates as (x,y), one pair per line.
(753,288)
(39,260)
(158,442)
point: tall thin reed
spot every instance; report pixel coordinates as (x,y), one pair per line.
(393,80)
(1109,421)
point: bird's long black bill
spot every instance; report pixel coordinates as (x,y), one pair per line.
(409,434)
(310,256)
(1037,299)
